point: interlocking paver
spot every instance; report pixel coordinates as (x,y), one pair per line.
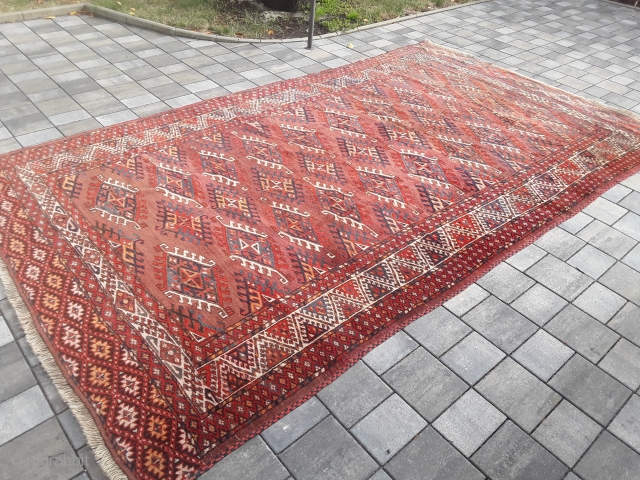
(467,299)
(388,428)
(517,393)
(390,352)
(500,324)
(425,383)
(608,459)
(431,457)
(631,201)
(607,239)
(22,412)
(560,243)
(567,433)
(42,453)
(505,282)
(473,357)
(623,280)
(590,389)
(496,457)
(439,330)
(354,394)
(605,211)
(626,425)
(559,277)
(254,459)
(327,451)
(469,422)
(539,304)
(15,375)
(599,302)
(543,355)
(629,225)
(295,424)
(582,333)
(591,261)
(623,363)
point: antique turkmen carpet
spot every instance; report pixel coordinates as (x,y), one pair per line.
(191,277)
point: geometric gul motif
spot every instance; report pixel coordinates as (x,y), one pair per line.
(184,222)
(190,277)
(175,183)
(295,226)
(251,248)
(218,167)
(116,201)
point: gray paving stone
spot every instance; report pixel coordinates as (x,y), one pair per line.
(560,243)
(50,391)
(539,304)
(627,323)
(543,355)
(439,330)
(22,412)
(72,429)
(617,193)
(390,352)
(576,223)
(518,394)
(251,460)
(629,225)
(631,201)
(473,357)
(469,422)
(607,239)
(425,383)
(388,428)
(626,425)
(582,333)
(599,302)
(623,363)
(430,457)
(380,475)
(590,389)
(512,454)
(605,211)
(500,324)
(15,375)
(608,459)
(567,433)
(591,261)
(6,337)
(354,394)
(328,451)
(505,282)
(295,424)
(467,299)
(623,280)
(632,182)
(90,464)
(559,277)
(42,453)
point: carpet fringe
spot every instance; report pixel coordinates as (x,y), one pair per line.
(92,433)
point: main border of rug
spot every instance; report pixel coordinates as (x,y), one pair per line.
(91,428)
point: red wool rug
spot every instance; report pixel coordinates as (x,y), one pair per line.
(191,277)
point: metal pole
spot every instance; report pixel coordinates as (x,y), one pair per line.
(312,19)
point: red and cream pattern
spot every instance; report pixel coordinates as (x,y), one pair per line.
(198,273)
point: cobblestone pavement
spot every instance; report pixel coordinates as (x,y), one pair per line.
(532,372)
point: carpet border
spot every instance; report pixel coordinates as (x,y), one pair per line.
(89,426)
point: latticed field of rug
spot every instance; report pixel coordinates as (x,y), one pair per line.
(191,277)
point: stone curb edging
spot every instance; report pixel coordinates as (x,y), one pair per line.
(179,32)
